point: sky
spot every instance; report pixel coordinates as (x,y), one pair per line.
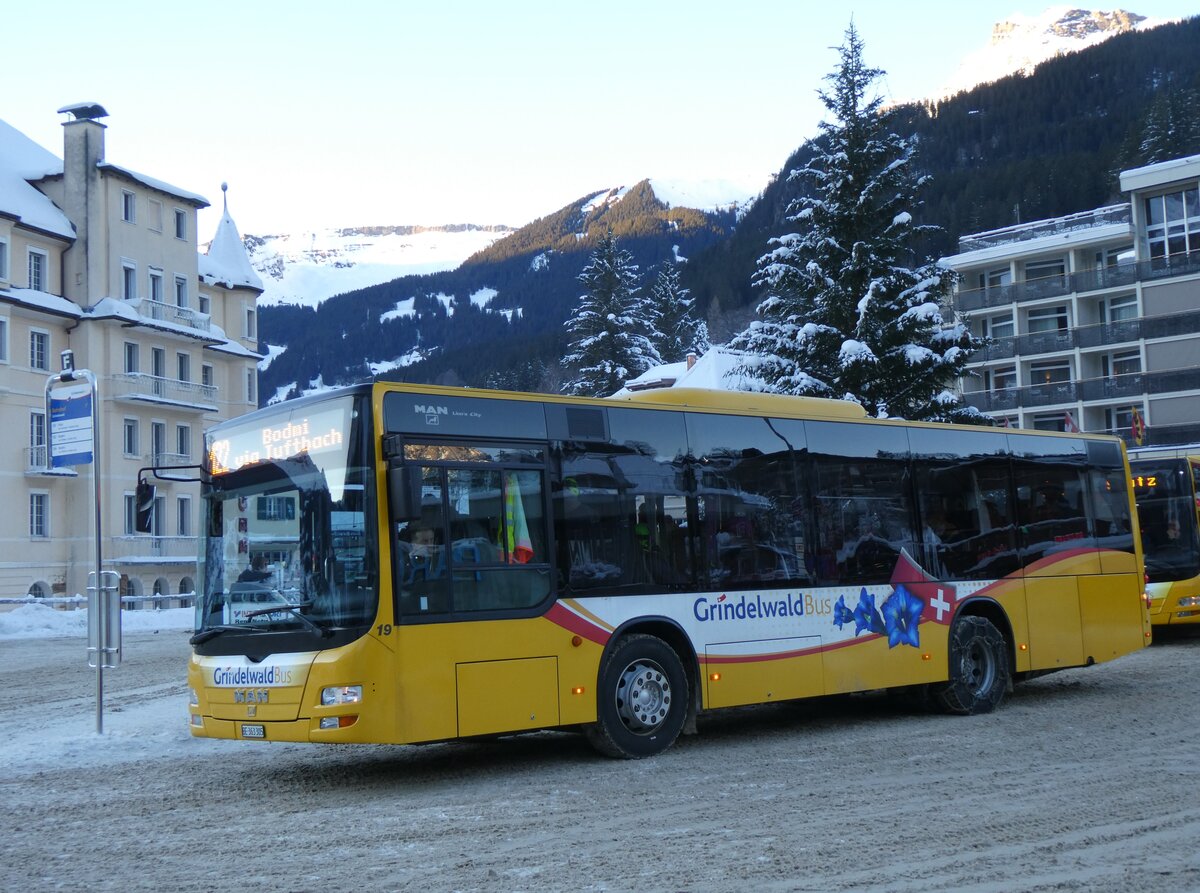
(363,113)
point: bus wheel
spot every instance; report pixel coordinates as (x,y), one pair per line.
(979,670)
(642,699)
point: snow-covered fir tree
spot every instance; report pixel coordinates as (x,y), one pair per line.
(677,331)
(845,315)
(608,330)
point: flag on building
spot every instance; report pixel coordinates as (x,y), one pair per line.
(1138,427)
(1069,423)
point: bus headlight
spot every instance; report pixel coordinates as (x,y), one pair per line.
(341,694)
(193,698)
(1189,601)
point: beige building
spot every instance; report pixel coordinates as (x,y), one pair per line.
(103,261)
(1093,315)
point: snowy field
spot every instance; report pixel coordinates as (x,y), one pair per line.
(1082,781)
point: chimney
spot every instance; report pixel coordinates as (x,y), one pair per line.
(691,360)
(83,150)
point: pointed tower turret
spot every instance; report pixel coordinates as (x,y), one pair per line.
(226,261)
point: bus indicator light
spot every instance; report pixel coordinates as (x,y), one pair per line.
(576,641)
(577,690)
(715,677)
(1023,647)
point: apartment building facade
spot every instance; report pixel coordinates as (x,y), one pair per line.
(103,261)
(1093,318)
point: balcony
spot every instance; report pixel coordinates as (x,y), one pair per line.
(160,459)
(1025,232)
(1121,275)
(1133,385)
(1110,334)
(35,463)
(140,387)
(147,549)
(180,316)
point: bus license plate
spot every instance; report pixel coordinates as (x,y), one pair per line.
(253,731)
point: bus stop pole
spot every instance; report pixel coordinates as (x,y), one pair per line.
(102,594)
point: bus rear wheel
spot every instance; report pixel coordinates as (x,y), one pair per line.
(642,699)
(979,668)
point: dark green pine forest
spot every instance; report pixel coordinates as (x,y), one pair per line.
(1020,149)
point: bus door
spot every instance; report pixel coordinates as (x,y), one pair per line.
(474,540)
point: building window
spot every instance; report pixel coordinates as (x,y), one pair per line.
(250,330)
(997,278)
(39,515)
(1121,309)
(184,365)
(205,304)
(158,362)
(3,260)
(1050,422)
(129,280)
(206,375)
(130,441)
(156,286)
(1173,222)
(3,340)
(1000,379)
(183,440)
(1114,257)
(251,386)
(130,514)
(1051,372)
(39,350)
(156,217)
(1046,269)
(1118,420)
(158,522)
(275,508)
(180,224)
(181,291)
(1124,363)
(131,357)
(158,440)
(183,515)
(1048,319)
(37,269)
(37,440)
(128,206)
(998,326)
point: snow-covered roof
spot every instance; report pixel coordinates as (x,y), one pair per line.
(192,198)
(22,160)
(711,372)
(226,262)
(40,300)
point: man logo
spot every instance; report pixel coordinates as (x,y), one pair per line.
(431,412)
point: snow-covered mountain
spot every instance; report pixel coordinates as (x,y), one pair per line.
(1021,43)
(308,267)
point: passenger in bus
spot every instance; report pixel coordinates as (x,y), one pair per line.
(256,571)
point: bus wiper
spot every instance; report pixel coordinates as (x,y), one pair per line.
(295,612)
(211,632)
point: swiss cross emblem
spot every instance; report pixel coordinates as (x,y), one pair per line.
(939,596)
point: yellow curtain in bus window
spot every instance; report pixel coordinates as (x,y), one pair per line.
(520,546)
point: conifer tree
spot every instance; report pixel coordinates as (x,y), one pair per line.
(677,331)
(608,343)
(845,316)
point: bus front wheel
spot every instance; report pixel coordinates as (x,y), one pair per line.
(642,699)
(979,668)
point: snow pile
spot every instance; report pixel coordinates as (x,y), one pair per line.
(34,621)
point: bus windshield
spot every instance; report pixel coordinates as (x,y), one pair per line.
(287,544)
(1167,512)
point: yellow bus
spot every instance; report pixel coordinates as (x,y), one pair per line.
(1166,489)
(400,564)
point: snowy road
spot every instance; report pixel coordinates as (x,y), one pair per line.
(1084,780)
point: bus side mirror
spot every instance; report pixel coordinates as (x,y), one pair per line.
(144,506)
(404,492)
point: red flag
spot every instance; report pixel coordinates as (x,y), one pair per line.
(1138,427)
(1069,423)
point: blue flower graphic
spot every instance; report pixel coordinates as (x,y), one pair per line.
(841,614)
(865,616)
(902,614)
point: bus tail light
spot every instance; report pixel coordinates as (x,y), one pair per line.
(341,694)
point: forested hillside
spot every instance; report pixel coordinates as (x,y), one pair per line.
(1020,149)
